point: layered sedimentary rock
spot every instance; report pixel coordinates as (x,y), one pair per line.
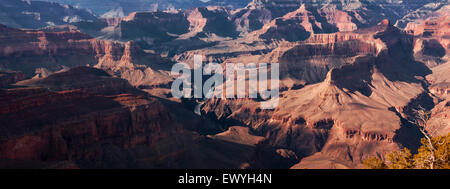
(341,20)
(359,110)
(307,20)
(342,15)
(259,27)
(310,61)
(84,118)
(301,21)
(434,25)
(427,11)
(266,26)
(82,110)
(304,61)
(258,13)
(440,87)
(27,50)
(347,89)
(36,52)
(167,33)
(432,44)
(150,27)
(217,21)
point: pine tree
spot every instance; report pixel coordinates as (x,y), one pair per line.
(439,158)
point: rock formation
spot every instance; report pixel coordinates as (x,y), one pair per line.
(358,111)
(83,109)
(10,77)
(432,45)
(37,14)
(84,118)
(101,7)
(440,87)
(349,84)
(344,15)
(32,51)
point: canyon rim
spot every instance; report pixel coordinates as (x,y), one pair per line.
(255,84)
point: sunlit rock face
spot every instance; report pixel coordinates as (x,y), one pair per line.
(355,110)
(351,74)
(344,15)
(432,45)
(81,117)
(39,53)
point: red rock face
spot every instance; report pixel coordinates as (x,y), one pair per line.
(301,21)
(432,44)
(84,108)
(312,59)
(311,62)
(86,118)
(45,50)
(432,47)
(354,113)
(340,19)
(436,27)
(440,87)
(113,120)
(53,51)
(17,43)
(331,15)
(429,22)
(346,88)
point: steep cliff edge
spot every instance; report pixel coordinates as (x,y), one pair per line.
(432,44)
(332,14)
(84,118)
(39,53)
(359,109)
(440,87)
(70,115)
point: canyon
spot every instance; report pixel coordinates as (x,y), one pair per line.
(85,118)
(38,14)
(124,7)
(96,92)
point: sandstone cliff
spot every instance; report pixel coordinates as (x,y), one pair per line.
(87,119)
(358,111)
(432,45)
(349,84)
(37,53)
